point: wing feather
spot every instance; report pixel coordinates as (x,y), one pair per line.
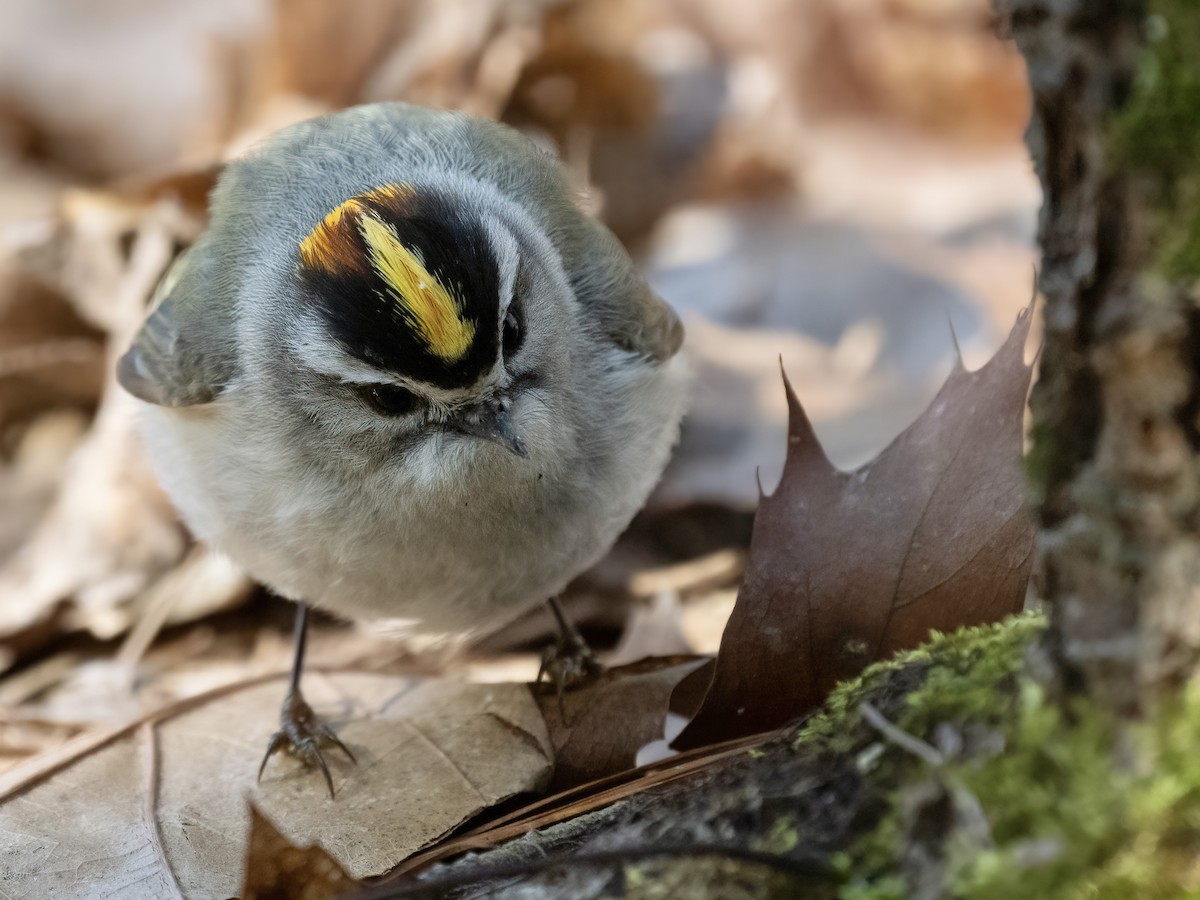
(183,354)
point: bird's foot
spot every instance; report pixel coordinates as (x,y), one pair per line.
(301,733)
(566,663)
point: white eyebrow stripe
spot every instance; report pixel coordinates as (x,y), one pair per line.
(507,253)
(314,347)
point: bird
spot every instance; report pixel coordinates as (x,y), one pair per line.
(403,376)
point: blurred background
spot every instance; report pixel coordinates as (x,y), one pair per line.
(831,183)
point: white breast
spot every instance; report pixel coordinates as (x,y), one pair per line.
(459,539)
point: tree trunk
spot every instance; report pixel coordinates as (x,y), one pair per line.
(1115,408)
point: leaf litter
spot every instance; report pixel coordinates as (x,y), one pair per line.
(275,867)
(604,722)
(173,791)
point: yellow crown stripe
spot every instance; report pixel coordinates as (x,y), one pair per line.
(332,246)
(424,301)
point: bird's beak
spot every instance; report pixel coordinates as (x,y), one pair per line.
(492,422)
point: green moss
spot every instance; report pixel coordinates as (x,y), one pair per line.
(961,674)
(835,723)
(1065,820)
(1042,462)
(782,838)
(1157,135)
(974,675)
(889,887)
(968,678)
(869,872)
(1102,832)
(1054,802)
(706,876)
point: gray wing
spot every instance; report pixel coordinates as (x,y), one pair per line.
(606,282)
(184,352)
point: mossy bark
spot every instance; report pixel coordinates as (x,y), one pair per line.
(1114,460)
(834,808)
(943,773)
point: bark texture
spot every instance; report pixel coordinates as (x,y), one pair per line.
(1115,435)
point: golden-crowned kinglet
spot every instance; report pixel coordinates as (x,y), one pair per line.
(403,376)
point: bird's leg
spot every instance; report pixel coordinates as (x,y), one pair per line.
(569,660)
(300,732)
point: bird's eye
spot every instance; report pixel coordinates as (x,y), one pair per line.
(512,333)
(388,399)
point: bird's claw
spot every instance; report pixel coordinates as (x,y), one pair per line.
(301,733)
(568,662)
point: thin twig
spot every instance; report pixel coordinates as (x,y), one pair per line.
(579,800)
(26,774)
(900,737)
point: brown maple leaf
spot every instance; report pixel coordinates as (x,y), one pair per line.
(849,567)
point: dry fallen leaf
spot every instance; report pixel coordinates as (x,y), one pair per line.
(652,629)
(188,186)
(849,567)
(610,718)
(109,533)
(49,357)
(629,99)
(275,867)
(161,808)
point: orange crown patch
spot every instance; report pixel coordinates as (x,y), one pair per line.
(336,246)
